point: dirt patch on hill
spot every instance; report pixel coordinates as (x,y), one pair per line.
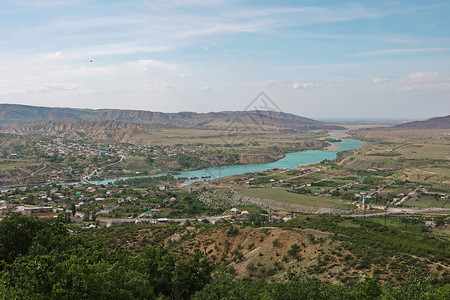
(252,253)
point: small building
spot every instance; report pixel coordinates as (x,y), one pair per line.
(31,209)
(235,211)
(363,204)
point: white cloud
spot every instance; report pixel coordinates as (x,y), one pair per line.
(380,80)
(184,3)
(150,65)
(425,81)
(428,78)
(51,56)
(104,50)
(404,89)
(53,87)
(47,3)
(425,75)
(305,85)
(205,89)
(403,51)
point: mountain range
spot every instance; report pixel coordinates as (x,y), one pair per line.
(20,114)
(432,123)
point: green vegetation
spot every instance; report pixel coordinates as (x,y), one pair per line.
(41,260)
(374,243)
(285,196)
(144,182)
(416,287)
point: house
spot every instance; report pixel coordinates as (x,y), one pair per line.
(235,211)
(31,209)
(273,218)
(6,209)
(108,209)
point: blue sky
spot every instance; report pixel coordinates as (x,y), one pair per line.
(320,59)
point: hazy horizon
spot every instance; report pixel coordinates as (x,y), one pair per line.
(318,59)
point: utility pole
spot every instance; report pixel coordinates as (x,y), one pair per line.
(364,206)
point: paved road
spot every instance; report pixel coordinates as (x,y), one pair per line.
(392,210)
(45,165)
(97,170)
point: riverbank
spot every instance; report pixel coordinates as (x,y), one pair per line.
(289,161)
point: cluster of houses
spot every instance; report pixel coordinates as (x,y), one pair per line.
(78,148)
(28,210)
(273,218)
(65,198)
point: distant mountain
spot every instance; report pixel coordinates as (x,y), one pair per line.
(16,114)
(125,132)
(77,127)
(433,123)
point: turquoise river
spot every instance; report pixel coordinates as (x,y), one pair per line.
(290,161)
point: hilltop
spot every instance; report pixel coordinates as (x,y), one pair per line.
(16,114)
(432,123)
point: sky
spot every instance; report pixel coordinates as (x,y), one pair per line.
(319,59)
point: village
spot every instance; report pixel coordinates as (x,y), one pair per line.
(89,205)
(52,161)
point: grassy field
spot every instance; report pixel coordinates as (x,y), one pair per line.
(281,195)
(11,164)
(6,166)
(427,151)
(425,202)
(431,174)
(135,164)
(423,136)
(181,136)
(414,155)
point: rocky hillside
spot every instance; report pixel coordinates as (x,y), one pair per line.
(433,123)
(15,114)
(99,130)
(78,127)
(327,247)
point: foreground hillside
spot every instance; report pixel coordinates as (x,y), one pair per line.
(334,249)
(41,260)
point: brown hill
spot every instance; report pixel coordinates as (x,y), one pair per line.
(15,114)
(433,123)
(99,130)
(271,253)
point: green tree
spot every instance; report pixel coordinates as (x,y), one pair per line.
(74,209)
(191,276)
